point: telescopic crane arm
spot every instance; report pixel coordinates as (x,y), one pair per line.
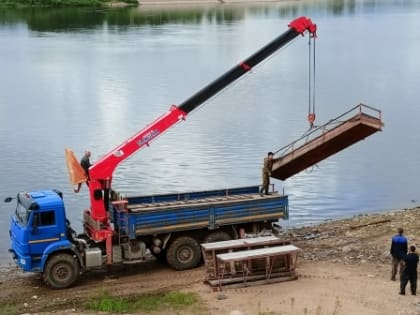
(101,172)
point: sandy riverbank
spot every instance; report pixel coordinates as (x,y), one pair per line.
(344,269)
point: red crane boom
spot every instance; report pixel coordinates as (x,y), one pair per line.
(97,221)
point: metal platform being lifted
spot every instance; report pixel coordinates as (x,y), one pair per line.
(326,140)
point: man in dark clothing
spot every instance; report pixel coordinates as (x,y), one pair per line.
(410,271)
(85,163)
(266,172)
(398,251)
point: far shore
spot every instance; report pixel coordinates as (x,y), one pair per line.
(128,3)
(195,2)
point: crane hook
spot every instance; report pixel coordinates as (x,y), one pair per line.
(311,120)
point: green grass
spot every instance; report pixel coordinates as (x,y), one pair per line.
(105,302)
(8,308)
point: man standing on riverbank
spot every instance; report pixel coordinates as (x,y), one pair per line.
(410,271)
(398,251)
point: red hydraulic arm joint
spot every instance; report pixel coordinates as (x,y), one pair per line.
(302,24)
(101,172)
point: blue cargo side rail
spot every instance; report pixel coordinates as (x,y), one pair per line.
(210,209)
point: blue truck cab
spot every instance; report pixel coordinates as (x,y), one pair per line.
(38,228)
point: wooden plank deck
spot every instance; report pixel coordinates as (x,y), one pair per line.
(242,243)
(326,144)
(258,253)
(153,206)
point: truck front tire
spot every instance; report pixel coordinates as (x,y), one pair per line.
(61,271)
(183,253)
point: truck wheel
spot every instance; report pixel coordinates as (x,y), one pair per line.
(60,271)
(217,236)
(183,253)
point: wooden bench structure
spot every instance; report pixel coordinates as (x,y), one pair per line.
(250,260)
(327,140)
(271,264)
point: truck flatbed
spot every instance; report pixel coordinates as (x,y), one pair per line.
(208,209)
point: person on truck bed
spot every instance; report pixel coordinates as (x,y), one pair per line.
(266,172)
(85,163)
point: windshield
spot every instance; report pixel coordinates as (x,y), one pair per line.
(22,214)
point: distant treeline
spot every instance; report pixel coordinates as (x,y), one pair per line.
(64,3)
(67,19)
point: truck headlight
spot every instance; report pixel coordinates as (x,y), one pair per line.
(23,261)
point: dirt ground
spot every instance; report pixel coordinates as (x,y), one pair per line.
(344,268)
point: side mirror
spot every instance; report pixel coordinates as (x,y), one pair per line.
(8,199)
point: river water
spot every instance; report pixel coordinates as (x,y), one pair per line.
(89,79)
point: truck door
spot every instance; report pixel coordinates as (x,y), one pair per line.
(43,230)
